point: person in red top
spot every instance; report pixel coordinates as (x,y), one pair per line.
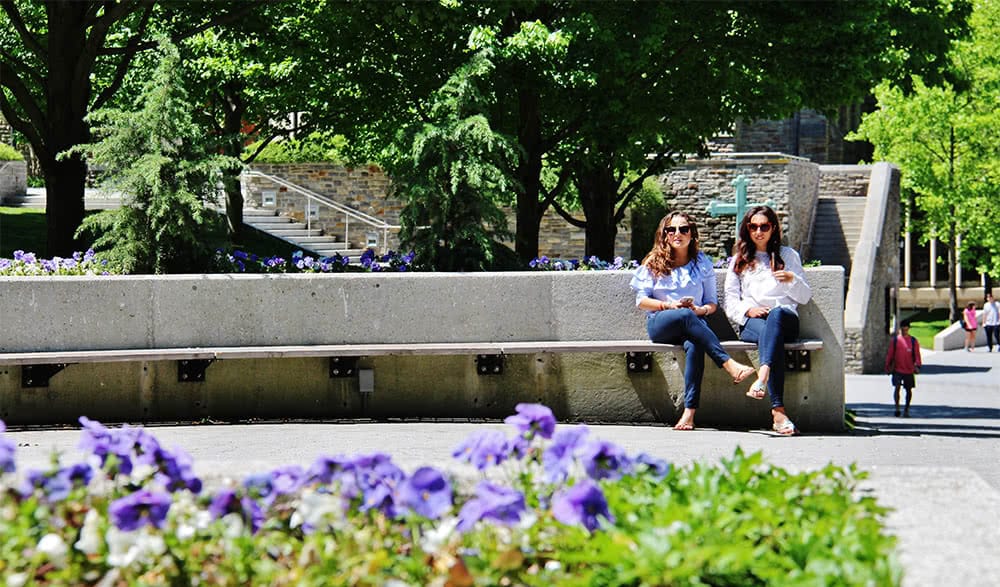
(903,362)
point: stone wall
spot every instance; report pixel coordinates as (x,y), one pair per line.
(369,190)
(844,180)
(808,134)
(13,178)
(791,183)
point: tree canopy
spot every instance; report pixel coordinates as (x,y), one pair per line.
(945,137)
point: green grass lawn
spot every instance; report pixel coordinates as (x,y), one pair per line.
(926,324)
(21,229)
(24,229)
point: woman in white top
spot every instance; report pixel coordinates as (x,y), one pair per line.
(676,287)
(764,285)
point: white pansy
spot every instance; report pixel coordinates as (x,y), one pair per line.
(17,579)
(126,548)
(233,524)
(90,535)
(54,547)
(435,538)
(141,473)
(315,508)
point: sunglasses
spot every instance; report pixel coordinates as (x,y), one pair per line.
(680,229)
(763,227)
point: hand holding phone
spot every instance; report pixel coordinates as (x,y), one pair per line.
(687,301)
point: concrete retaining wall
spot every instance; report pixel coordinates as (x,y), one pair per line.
(874,270)
(77,313)
(13,179)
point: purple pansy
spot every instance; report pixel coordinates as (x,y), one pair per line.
(533,419)
(492,502)
(426,492)
(583,504)
(604,460)
(483,449)
(557,459)
(656,467)
(7,448)
(142,508)
(227,501)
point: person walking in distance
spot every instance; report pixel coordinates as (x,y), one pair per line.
(970,324)
(991,321)
(903,362)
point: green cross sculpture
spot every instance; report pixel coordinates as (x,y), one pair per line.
(717,208)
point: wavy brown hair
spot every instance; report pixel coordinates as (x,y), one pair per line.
(660,260)
(745,251)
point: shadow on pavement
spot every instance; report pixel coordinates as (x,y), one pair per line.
(951,369)
(917,425)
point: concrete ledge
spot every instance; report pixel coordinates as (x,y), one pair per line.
(65,314)
(953,337)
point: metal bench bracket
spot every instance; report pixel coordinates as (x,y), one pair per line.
(639,362)
(39,375)
(343,367)
(192,370)
(489,364)
(798,360)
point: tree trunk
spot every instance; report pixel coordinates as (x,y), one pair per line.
(64,184)
(234,205)
(67,97)
(953,311)
(529,175)
(232,127)
(598,195)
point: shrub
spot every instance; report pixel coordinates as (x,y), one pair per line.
(315,148)
(548,506)
(8,153)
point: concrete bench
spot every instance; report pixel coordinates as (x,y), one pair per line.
(414,345)
(38,367)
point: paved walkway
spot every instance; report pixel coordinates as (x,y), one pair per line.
(939,470)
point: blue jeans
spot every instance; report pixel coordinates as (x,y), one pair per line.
(683,326)
(771,334)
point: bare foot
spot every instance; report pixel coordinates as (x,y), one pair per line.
(739,371)
(687,420)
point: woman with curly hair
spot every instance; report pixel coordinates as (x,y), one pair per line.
(676,287)
(764,285)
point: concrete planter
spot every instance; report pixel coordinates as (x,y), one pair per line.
(137,312)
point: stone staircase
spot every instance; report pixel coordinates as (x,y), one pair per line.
(36,198)
(837,230)
(296,233)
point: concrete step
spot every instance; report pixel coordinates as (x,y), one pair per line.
(297,232)
(254,212)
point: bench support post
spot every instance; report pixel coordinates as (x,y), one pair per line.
(39,375)
(639,362)
(798,360)
(343,367)
(192,370)
(489,364)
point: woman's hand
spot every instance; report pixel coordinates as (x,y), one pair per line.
(783,276)
(758,312)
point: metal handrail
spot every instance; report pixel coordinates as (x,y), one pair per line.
(348,212)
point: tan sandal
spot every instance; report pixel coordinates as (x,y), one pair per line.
(786,428)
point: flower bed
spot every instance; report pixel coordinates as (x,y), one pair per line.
(549,505)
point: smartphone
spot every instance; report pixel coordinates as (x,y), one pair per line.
(687,301)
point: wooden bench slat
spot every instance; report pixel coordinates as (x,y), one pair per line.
(366,350)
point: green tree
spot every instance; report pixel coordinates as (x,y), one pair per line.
(61,59)
(251,80)
(156,157)
(452,175)
(946,140)
(591,89)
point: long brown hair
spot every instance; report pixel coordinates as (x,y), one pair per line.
(660,260)
(745,251)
